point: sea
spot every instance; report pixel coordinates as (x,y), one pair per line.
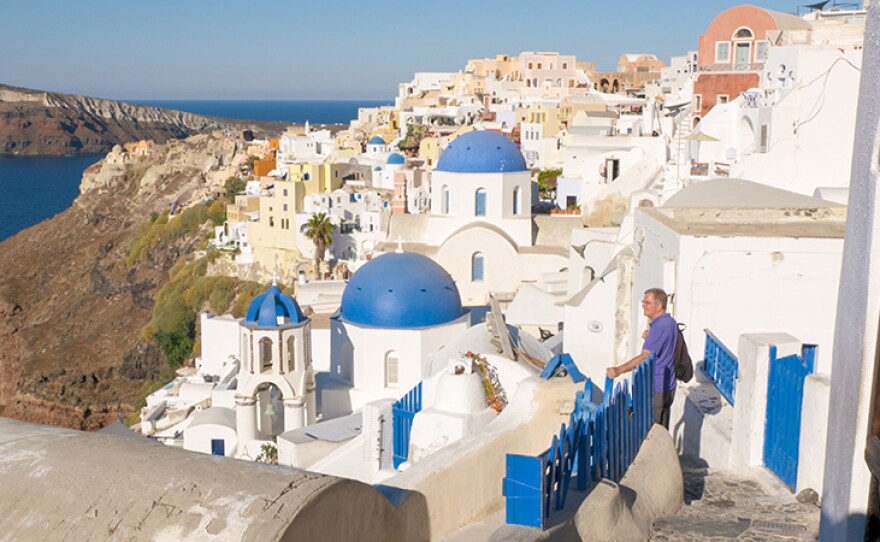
(36,188)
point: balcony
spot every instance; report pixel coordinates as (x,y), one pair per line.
(729,67)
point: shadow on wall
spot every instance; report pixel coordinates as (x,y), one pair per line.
(330,515)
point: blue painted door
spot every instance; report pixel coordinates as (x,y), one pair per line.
(785,397)
(524,488)
(218,447)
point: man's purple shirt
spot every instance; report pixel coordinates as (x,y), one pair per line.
(661,341)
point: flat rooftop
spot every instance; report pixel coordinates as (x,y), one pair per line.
(740,208)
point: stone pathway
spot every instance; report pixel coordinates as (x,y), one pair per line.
(722,506)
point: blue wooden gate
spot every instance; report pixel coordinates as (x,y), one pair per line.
(404,411)
(785,397)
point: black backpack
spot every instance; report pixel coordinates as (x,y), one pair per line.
(681,359)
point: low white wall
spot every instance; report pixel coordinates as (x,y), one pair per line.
(750,412)
(814,432)
(462,482)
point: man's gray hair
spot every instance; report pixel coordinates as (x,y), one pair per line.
(659,295)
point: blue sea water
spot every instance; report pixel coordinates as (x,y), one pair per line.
(295,111)
(35,188)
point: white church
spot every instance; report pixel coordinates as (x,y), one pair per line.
(481,227)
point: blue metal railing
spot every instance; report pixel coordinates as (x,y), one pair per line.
(722,366)
(600,441)
(403,411)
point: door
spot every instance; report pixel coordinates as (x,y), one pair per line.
(218,447)
(612,169)
(785,398)
(742,55)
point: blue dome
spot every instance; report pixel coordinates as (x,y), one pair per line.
(401,290)
(265,309)
(376,140)
(481,152)
(377,168)
(395,159)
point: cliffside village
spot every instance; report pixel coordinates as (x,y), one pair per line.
(498,221)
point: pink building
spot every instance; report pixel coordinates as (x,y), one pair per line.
(732,52)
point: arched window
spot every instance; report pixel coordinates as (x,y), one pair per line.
(477,271)
(480,202)
(392,361)
(528,83)
(291,353)
(517,203)
(743,34)
(307,348)
(265,354)
(444,200)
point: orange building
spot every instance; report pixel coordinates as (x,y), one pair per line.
(732,52)
(265,166)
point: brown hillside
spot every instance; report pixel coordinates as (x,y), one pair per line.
(71,310)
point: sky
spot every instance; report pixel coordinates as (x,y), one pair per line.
(324,49)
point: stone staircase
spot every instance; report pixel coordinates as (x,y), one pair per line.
(677,167)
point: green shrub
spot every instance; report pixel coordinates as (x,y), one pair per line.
(161,230)
(217,212)
(222,294)
(178,303)
(234,186)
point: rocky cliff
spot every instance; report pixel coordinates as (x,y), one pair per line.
(35,122)
(71,310)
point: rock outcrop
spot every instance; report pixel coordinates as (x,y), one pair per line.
(71,310)
(35,122)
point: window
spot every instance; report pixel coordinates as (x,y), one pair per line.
(291,353)
(761,48)
(698,102)
(307,349)
(265,354)
(530,65)
(539,65)
(743,34)
(392,361)
(564,65)
(284,207)
(271,222)
(477,271)
(285,193)
(516,200)
(723,98)
(244,350)
(722,52)
(444,200)
(480,202)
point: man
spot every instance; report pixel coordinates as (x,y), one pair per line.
(661,337)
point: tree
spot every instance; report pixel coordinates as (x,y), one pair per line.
(319,230)
(547,181)
(233,186)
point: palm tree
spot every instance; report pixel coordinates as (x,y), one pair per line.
(319,230)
